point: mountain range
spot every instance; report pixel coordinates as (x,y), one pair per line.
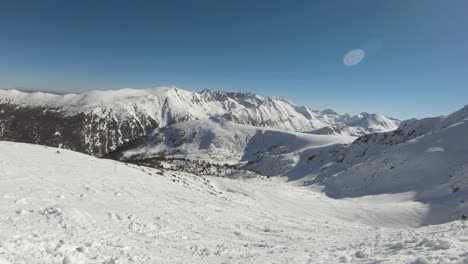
(98,122)
(293,185)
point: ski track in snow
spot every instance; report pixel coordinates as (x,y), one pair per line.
(59,206)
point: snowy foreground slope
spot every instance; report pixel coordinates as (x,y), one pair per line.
(59,206)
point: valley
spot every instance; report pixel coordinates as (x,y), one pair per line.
(165,175)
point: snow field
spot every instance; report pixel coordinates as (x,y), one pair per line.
(59,206)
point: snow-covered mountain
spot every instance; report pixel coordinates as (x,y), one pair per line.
(98,122)
(365,124)
(270,152)
(382,197)
(219,141)
(426,157)
(369,146)
(433,167)
(60,206)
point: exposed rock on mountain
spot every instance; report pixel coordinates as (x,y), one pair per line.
(98,122)
(218,141)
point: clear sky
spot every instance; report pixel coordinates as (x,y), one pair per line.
(411,58)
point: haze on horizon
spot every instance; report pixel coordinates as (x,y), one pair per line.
(401,58)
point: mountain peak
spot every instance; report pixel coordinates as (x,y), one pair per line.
(222,94)
(138,111)
(329,111)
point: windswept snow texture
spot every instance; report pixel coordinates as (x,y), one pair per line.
(98,122)
(59,206)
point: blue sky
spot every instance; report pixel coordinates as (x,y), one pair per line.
(415,63)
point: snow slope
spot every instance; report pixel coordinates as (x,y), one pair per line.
(316,164)
(219,141)
(367,124)
(424,165)
(413,128)
(376,123)
(59,206)
(425,158)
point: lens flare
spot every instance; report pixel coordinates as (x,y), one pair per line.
(354,57)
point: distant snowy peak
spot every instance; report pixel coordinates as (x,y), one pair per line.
(329,112)
(365,124)
(87,99)
(376,123)
(413,128)
(248,98)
